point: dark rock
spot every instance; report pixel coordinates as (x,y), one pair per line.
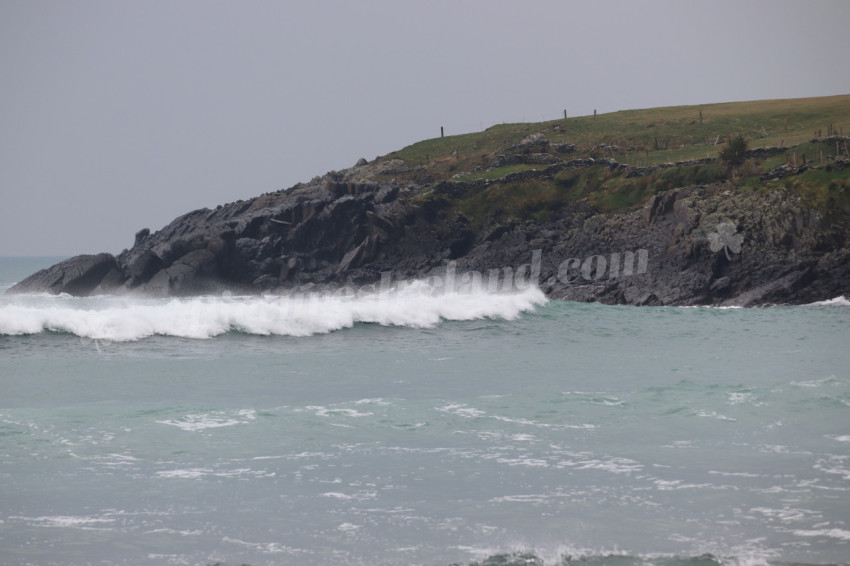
(840,164)
(505,160)
(659,206)
(265,282)
(783,171)
(764,152)
(527,158)
(692,245)
(142,267)
(529,142)
(192,274)
(78,276)
(112,282)
(141,235)
(387,193)
(565,148)
(461,246)
(359,255)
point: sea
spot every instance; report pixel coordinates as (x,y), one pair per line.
(417,427)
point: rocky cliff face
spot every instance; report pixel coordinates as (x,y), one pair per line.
(695,245)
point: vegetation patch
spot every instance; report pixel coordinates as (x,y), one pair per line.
(661,146)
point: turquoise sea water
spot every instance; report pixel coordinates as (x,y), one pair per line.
(419,429)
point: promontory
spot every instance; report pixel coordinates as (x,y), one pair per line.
(720,204)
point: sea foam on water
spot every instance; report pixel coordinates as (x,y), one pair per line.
(126,319)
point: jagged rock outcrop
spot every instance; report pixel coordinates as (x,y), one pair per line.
(689,246)
(80,275)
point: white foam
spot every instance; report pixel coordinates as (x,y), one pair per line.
(518,421)
(834,464)
(736,474)
(613,465)
(739,398)
(115,461)
(836,302)
(198,473)
(812,383)
(359,496)
(530,462)
(528,498)
(267,547)
(832,533)
(126,319)
(377,401)
(192,474)
(328,412)
(786,514)
(672,485)
(198,422)
(68,521)
(176,532)
(461,410)
(465,411)
(523,438)
(713,415)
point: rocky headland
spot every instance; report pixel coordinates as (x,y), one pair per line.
(746,237)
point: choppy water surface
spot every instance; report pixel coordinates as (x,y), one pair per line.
(413,429)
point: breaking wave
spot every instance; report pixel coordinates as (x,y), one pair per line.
(836,302)
(127,319)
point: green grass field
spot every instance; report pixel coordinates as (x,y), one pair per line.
(676,131)
(643,138)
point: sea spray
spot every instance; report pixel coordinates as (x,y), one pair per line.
(126,319)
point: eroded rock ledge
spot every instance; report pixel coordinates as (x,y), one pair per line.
(349,227)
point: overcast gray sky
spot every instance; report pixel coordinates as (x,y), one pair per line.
(119,115)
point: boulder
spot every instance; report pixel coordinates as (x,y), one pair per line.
(78,276)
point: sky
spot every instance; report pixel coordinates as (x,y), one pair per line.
(121,115)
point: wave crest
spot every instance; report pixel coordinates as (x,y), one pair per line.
(836,302)
(127,319)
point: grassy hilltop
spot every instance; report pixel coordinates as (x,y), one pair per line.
(646,139)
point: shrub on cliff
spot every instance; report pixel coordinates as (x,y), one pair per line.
(734,151)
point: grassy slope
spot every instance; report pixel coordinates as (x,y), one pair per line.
(764,123)
(675,131)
